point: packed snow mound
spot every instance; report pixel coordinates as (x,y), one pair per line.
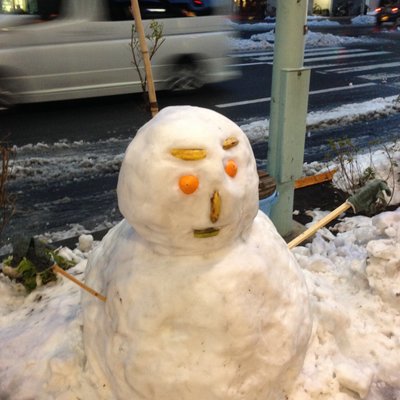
(204,299)
(312,39)
(354,282)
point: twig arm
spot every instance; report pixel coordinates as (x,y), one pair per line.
(59,270)
(369,198)
(321,223)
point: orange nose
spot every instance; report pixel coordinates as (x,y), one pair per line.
(215,207)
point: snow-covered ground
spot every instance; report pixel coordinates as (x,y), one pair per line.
(266,39)
(352,273)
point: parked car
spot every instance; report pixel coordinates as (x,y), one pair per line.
(82,49)
(388,13)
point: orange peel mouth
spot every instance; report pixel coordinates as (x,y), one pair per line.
(205,233)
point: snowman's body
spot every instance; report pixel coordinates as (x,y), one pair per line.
(199,306)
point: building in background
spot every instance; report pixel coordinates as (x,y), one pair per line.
(259,10)
(342,8)
(18,6)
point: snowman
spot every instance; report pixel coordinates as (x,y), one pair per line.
(204,301)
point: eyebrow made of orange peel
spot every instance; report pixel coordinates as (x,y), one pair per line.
(199,154)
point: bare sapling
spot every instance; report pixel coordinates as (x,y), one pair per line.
(155,39)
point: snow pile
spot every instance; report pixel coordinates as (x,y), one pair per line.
(351,113)
(318,21)
(354,282)
(314,39)
(265,40)
(338,116)
(368,19)
(317,39)
(249,44)
(79,160)
(253,27)
(41,339)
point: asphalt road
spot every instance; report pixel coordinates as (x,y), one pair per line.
(74,182)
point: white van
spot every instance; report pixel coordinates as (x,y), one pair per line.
(81,48)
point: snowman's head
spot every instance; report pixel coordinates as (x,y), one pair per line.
(188,183)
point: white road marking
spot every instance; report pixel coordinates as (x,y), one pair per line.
(372,53)
(336,55)
(266,99)
(379,76)
(310,50)
(364,67)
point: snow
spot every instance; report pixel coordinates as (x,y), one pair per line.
(351,271)
(265,40)
(353,280)
(209,306)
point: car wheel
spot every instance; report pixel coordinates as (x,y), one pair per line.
(187,76)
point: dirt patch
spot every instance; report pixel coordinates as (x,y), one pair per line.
(323,196)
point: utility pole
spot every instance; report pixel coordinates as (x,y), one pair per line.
(289,103)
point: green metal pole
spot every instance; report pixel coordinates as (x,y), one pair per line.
(289,102)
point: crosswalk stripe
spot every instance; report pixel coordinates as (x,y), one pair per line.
(244,55)
(310,50)
(364,67)
(266,58)
(337,51)
(342,56)
(379,76)
(251,64)
(326,54)
(319,49)
(265,99)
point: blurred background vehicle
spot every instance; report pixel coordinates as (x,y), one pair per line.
(388,13)
(71,49)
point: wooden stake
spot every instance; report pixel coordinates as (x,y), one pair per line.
(146,57)
(314,179)
(58,269)
(310,231)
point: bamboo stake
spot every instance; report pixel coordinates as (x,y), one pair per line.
(58,269)
(314,179)
(146,57)
(310,231)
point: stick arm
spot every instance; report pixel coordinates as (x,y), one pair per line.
(321,223)
(59,270)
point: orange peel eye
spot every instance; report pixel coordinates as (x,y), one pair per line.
(231,168)
(188,184)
